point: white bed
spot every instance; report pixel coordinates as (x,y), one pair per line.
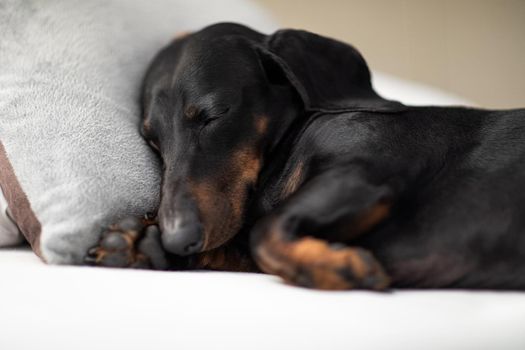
(60,307)
(77,308)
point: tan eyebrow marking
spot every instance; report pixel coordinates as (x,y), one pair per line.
(261,124)
(191,112)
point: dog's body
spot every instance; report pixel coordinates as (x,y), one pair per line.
(281,139)
(453,177)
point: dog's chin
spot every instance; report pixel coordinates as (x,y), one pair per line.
(220,236)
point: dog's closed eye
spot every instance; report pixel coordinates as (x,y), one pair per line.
(209,120)
(221,109)
(208,116)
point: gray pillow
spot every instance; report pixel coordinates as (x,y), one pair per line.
(71,157)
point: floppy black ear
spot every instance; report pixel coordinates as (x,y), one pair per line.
(329,75)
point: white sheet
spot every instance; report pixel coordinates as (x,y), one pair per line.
(57,307)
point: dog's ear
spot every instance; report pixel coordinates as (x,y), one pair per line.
(330,76)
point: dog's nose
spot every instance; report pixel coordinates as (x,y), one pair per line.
(183,237)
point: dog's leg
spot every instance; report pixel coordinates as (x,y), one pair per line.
(130,243)
(285,243)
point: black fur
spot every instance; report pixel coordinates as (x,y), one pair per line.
(454,176)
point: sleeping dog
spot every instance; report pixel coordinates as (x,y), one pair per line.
(279,146)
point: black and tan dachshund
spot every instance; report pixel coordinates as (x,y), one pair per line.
(279,143)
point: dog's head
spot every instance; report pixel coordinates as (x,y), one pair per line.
(216,102)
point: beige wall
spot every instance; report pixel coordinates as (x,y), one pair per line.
(473,48)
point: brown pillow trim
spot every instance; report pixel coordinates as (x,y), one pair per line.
(18,204)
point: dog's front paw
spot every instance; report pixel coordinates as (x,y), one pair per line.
(131,243)
(313,263)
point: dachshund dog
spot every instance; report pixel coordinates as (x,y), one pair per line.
(277,149)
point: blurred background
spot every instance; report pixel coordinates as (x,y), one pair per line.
(474,48)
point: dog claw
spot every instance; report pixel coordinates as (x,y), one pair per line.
(92,251)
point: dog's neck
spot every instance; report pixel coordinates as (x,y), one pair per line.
(280,165)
